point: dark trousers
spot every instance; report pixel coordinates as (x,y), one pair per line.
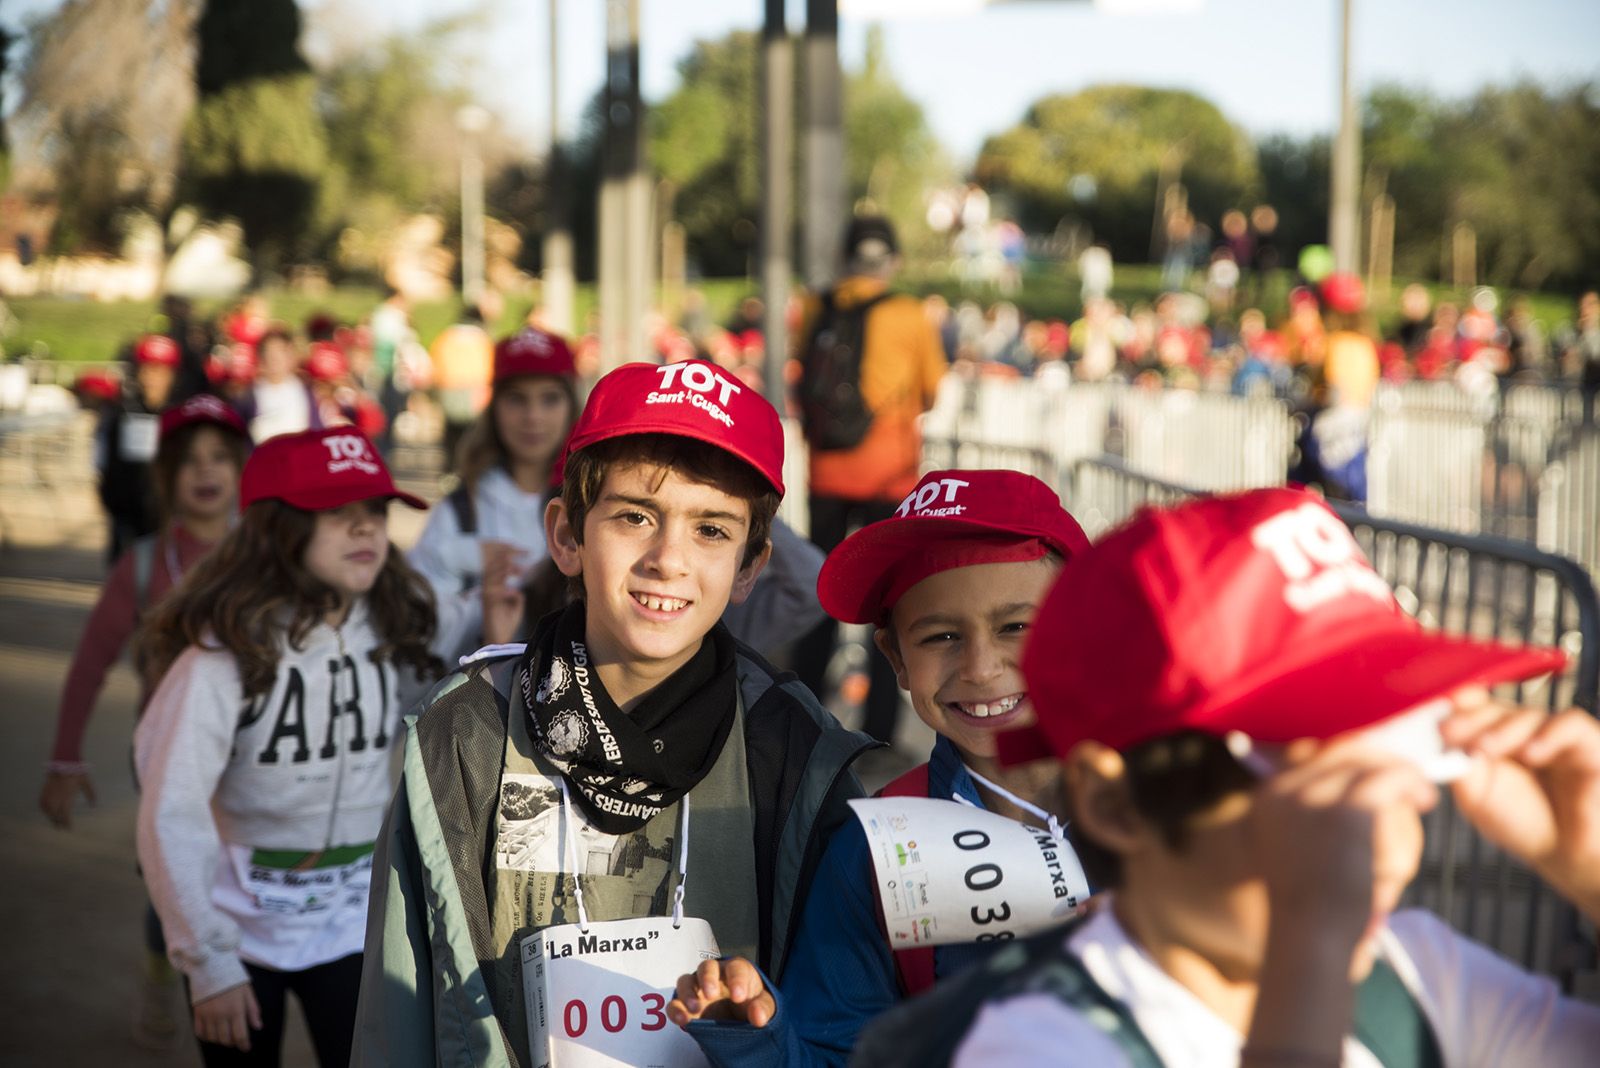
(327,995)
(831,519)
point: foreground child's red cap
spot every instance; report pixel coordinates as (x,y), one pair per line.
(1254,612)
(531,351)
(952,519)
(317,470)
(693,399)
(202,408)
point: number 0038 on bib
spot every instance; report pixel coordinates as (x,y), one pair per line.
(598,998)
(948,873)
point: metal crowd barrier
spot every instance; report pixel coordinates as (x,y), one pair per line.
(1569,498)
(1446,457)
(1482,586)
(1214,440)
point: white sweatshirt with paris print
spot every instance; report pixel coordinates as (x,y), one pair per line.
(256,817)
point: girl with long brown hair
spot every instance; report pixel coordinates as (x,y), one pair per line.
(494,519)
(284,662)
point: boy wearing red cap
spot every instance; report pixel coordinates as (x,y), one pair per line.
(126,440)
(539,886)
(951,581)
(1250,729)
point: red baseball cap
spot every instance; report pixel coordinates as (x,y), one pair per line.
(1254,612)
(531,351)
(952,519)
(326,362)
(156,349)
(317,470)
(693,399)
(1344,293)
(202,408)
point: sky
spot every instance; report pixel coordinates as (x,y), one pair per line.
(1270,65)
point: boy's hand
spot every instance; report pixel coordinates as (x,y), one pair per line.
(226,1019)
(1339,836)
(1534,788)
(61,790)
(729,989)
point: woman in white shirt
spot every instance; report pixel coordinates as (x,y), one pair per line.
(505,464)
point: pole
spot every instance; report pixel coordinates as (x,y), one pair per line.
(1344,214)
(625,259)
(558,286)
(777,179)
(471,120)
(824,144)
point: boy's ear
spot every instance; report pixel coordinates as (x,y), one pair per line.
(889,645)
(561,539)
(1096,783)
(745,580)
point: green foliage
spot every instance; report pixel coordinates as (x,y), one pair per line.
(1520,165)
(705,140)
(243,40)
(1121,137)
(255,147)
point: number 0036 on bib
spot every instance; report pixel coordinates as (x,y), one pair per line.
(948,873)
(598,998)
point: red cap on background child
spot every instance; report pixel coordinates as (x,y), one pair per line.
(952,519)
(1255,613)
(531,351)
(326,362)
(693,399)
(317,470)
(156,350)
(202,408)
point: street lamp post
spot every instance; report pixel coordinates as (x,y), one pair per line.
(471,120)
(1344,216)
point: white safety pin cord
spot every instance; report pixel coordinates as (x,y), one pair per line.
(571,849)
(683,867)
(1026,806)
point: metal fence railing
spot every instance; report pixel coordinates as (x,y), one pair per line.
(1482,586)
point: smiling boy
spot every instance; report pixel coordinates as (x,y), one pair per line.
(628,716)
(951,582)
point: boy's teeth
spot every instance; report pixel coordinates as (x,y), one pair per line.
(982,709)
(660,604)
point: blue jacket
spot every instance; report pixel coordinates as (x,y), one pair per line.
(840,972)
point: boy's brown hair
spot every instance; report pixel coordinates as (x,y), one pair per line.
(586,470)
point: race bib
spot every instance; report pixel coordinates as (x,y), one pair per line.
(600,998)
(288,883)
(949,874)
(136,442)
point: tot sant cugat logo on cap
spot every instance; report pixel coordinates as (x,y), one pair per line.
(700,384)
(1319,559)
(348,452)
(941,492)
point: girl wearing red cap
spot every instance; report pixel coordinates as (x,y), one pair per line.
(952,582)
(196,474)
(494,519)
(285,660)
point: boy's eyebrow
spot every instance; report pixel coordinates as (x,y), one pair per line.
(944,619)
(654,506)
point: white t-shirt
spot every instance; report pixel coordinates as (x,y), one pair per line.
(1484,1010)
(281,408)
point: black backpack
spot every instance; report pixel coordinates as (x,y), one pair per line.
(833,413)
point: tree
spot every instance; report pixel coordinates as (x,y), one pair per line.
(6,38)
(105,86)
(1122,138)
(705,143)
(255,147)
